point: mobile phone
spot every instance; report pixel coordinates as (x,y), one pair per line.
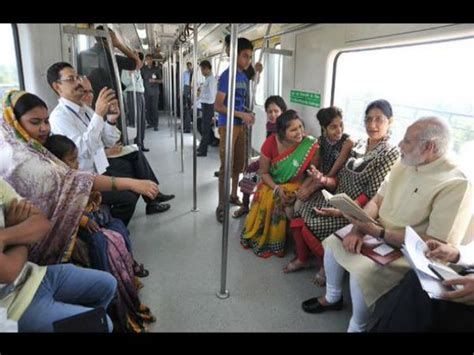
(445,273)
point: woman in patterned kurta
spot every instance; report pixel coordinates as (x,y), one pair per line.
(369,162)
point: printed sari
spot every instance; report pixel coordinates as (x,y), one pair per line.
(36,174)
(266,224)
(110,249)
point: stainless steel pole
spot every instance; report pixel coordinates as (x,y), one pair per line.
(195,55)
(253,93)
(170,102)
(175,90)
(223,292)
(138,123)
(181,104)
(123,121)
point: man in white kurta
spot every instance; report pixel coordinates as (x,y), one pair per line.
(426,191)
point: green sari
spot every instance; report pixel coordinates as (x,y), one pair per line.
(265,226)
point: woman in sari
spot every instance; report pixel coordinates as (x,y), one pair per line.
(284,159)
(62,194)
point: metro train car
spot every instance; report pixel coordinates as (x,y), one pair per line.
(251,177)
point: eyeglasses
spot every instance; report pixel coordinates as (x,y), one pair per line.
(378,120)
(73,79)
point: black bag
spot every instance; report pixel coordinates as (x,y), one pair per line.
(93,321)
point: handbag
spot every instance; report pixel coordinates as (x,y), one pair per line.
(250,179)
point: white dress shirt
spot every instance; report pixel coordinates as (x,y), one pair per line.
(131,77)
(208,90)
(88,131)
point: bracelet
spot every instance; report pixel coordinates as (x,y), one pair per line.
(276,189)
(114,187)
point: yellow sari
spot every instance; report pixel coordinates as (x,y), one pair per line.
(266,223)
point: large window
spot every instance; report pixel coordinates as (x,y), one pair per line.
(9,77)
(433,79)
(271,77)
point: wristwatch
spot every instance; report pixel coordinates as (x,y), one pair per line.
(381,235)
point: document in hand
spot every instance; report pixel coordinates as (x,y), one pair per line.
(125,150)
(346,205)
(373,248)
(414,249)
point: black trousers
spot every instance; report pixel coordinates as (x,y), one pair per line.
(206,131)
(151,104)
(133,165)
(408,308)
(187,107)
(139,120)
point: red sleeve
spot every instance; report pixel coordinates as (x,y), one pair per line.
(269,147)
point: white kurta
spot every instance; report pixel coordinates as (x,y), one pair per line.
(434,199)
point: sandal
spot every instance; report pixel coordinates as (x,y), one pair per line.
(291,267)
(320,278)
(235,201)
(220,215)
(139,270)
(240,212)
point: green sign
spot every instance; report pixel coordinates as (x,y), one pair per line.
(305,98)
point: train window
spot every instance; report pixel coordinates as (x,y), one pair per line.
(224,64)
(418,80)
(277,71)
(9,72)
(83,43)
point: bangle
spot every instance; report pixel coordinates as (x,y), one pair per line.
(114,187)
(276,189)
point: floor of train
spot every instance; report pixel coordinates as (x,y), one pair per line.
(182,251)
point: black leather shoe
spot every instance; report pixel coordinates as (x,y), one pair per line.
(156,207)
(216,174)
(201,154)
(163,198)
(155,129)
(313,306)
(145,149)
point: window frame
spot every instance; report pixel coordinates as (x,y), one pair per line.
(19,63)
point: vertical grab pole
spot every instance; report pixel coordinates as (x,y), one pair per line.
(175,91)
(195,55)
(178,89)
(166,87)
(181,103)
(138,123)
(170,89)
(253,93)
(223,292)
(123,121)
